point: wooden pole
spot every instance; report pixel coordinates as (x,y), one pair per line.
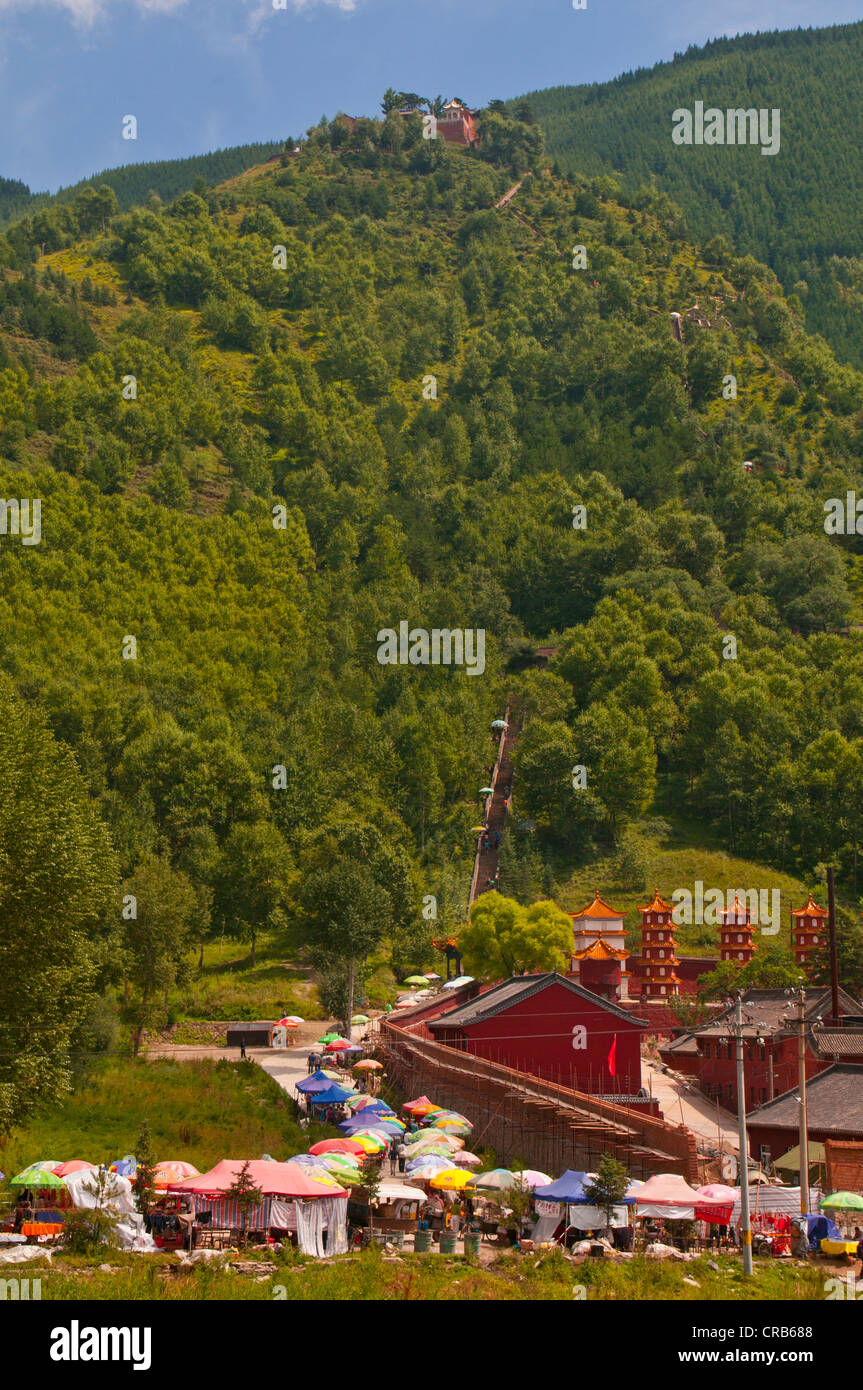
(834,964)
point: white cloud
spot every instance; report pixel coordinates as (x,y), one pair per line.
(86,12)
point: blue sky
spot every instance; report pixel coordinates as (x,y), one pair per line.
(201,74)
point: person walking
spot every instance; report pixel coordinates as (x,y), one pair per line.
(401,1151)
(242,1050)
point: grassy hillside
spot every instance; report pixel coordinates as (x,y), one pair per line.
(345,392)
(197,1111)
(798,210)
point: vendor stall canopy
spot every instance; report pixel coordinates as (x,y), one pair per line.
(273,1179)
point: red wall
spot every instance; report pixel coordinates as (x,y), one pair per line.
(536,1036)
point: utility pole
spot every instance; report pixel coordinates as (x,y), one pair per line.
(801,1081)
(745,1227)
(834,966)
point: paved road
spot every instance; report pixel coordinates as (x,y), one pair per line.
(680,1103)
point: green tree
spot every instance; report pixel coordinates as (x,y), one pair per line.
(159,936)
(246,1194)
(502,938)
(608,1189)
(59,880)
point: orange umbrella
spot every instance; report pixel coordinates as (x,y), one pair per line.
(173,1170)
(368,1065)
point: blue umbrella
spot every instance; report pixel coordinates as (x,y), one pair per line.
(318,1081)
(336,1095)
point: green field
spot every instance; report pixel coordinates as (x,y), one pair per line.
(370,1276)
(197,1111)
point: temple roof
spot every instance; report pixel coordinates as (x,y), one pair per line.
(810,910)
(658,905)
(597,908)
(600,950)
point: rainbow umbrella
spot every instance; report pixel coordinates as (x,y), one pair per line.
(370,1143)
(452,1180)
(290,1021)
(339,1162)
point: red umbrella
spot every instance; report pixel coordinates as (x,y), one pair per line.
(74,1165)
(338,1146)
(339,1045)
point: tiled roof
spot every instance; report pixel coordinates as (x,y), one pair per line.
(657,905)
(838,1042)
(834,1100)
(597,908)
(516,989)
(810,910)
(767,1011)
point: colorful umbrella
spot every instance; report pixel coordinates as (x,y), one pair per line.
(486,791)
(368,1065)
(171,1171)
(340,1162)
(328,1037)
(414,980)
(338,1045)
(124,1167)
(370,1143)
(45,1165)
(478,829)
(529,1178)
(290,1021)
(496,1180)
(499,724)
(74,1165)
(467,1160)
(452,1180)
(842,1201)
(421,1106)
(38,1178)
(359,1020)
(425,1173)
(336,1146)
(432,976)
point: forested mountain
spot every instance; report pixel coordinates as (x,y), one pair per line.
(347,392)
(798,210)
(133,183)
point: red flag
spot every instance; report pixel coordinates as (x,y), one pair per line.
(612,1057)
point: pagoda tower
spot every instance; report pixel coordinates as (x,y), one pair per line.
(599,955)
(735,934)
(658,951)
(808,932)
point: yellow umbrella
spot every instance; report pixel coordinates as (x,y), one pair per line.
(370,1145)
(451,1179)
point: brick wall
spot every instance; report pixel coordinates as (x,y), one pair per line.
(549,1126)
(844,1166)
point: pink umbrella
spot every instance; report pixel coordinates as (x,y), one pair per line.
(338,1046)
(74,1165)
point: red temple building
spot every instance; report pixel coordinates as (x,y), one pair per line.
(456,125)
(656,968)
(599,956)
(735,934)
(549,1026)
(808,932)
